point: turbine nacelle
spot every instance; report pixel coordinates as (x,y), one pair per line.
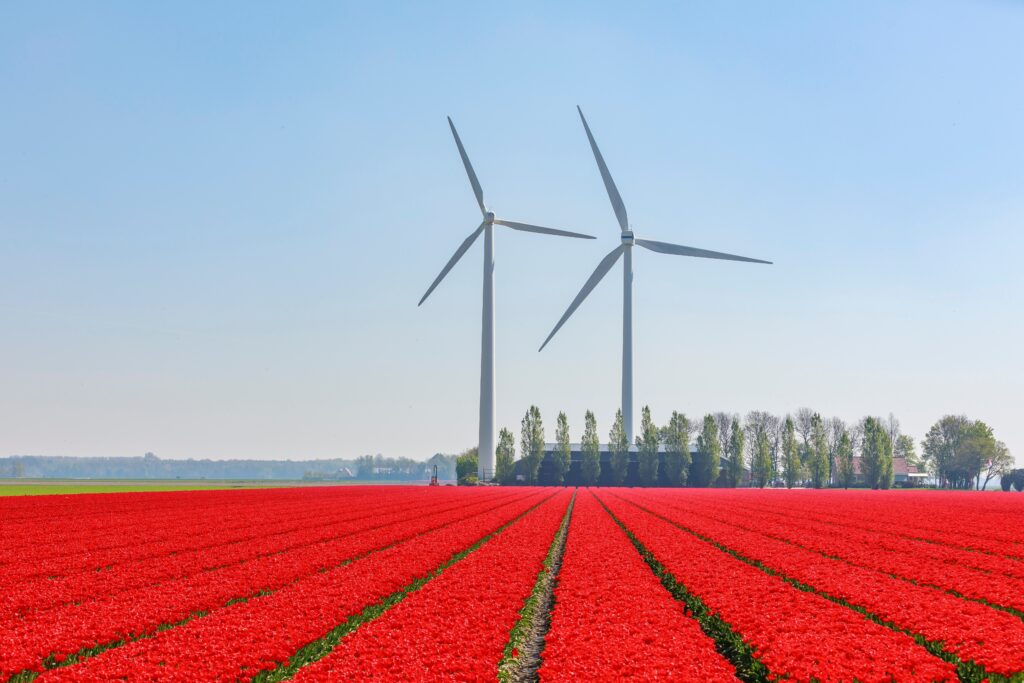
(488,216)
(628,238)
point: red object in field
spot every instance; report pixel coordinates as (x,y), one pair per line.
(389,583)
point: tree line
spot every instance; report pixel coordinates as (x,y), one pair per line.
(798,449)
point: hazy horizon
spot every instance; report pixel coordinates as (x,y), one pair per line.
(218,220)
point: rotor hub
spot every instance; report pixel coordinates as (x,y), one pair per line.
(488,217)
(627,238)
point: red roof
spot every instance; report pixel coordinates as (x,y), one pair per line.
(899,466)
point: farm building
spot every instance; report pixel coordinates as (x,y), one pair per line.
(906,474)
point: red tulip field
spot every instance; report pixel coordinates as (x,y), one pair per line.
(487,583)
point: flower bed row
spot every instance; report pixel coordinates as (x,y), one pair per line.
(947,551)
(72,524)
(970,631)
(22,597)
(795,634)
(959,519)
(946,569)
(26,643)
(456,626)
(613,619)
(155,539)
(239,641)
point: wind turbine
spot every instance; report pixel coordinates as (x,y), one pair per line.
(625,250)
(485,451)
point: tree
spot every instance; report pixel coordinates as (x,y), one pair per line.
(976,449)
(736,439)
(904,448)
(723,421)
(941,444)
(760,422)
(774,429)
(710,450)
(446,465)
(590,468)
(1014,479)
(618,444)
(819,453)
(677,449)
(887,475)
(891,427)
(647,449)
(834,428)
(761,464)
(531,442)
(364,467)
(803,421)
(999,465)
(844,460)
(957,449)
(563,449)
(466,467)
(791,454)
(504,457)
(876,454)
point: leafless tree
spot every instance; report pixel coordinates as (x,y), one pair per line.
(857,435)
(752,427)
(803,420)
(891,425)
(1000,464)
(758,421)
(834,429)
(724,423)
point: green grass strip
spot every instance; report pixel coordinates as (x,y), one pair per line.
(728,642)
(968,671)
(323,646)
(522,656)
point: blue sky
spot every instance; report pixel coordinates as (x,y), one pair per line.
(217,219)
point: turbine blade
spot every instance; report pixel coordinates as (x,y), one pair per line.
(469,169)
(602,269)
(609,184)
(453,260)
(679,250)
(526,227)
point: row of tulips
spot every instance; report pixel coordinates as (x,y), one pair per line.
(970,631)
(970,520)
(915,561)
(797,635)
(25,643)
(613,620)
(154,537)
(243,639)
(1001,558)
(457,626)
(23,597)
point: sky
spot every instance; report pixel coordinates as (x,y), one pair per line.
(216,219)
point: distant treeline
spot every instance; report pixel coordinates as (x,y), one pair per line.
(762,449)
(150,466)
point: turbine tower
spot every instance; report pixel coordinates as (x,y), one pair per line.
(625,250)
(485,450)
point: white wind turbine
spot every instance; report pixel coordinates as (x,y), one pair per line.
(626,249)
(486,445)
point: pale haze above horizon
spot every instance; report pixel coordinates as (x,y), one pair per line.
(216,220)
